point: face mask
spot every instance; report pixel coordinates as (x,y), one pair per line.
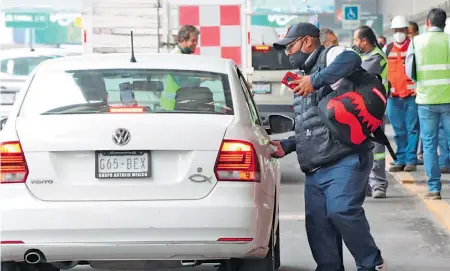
(399,37)
(357,49)
(186,50)
(298,59)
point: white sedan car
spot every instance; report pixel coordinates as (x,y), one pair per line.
(95,171)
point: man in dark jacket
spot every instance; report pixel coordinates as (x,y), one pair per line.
(336,174)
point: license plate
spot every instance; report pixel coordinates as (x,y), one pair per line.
(7,98)
(122,164)
(261,88)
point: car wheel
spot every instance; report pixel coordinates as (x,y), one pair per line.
(265,264)
(277,250)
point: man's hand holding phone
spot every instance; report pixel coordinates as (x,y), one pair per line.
(300,85)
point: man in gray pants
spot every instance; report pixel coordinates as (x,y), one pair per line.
(374,61)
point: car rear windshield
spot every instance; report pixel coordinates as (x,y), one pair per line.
(119,90)
(22,66)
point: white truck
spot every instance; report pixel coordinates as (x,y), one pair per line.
(226,31)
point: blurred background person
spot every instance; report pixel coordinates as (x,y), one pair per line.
(426,62)
(328,38)
(382,42)
(374,61)
(401,106)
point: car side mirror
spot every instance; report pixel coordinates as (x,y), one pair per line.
(280,124)
(2,123)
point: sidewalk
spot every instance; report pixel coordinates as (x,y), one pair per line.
(415,182)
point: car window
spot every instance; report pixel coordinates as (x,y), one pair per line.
(22,66)
(97,91)
(267,58)
(249,100)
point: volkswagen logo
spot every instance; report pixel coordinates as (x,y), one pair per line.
(121,136)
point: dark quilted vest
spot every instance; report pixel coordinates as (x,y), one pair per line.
(315,146)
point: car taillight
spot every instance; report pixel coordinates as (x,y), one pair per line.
(237,161)
(13,167)
(261,48)
(130,109)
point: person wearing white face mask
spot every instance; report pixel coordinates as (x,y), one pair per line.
(402,109)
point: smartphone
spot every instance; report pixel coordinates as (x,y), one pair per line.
(289,77)
(126,93)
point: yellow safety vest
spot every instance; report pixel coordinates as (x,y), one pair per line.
(384,72)
(432,53)
(168,96)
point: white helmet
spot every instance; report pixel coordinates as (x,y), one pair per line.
(399,22)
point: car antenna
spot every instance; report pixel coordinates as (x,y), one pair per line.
(133,59)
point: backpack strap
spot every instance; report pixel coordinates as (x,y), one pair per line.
(380,137)
(322,61)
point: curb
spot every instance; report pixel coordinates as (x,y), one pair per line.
(439,208)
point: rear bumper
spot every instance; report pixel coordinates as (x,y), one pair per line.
(137,230)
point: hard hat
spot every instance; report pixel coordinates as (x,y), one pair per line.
(399,22)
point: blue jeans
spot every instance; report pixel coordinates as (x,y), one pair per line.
(431,116)
(402,113)
(444,145)
(334,196)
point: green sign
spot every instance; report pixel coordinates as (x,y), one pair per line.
(26,20)
(63,30)
(278,21)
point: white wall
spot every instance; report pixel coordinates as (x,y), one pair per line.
(392,8)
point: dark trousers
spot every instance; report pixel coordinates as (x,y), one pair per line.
(334,196)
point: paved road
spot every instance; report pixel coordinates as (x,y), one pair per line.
(405,231)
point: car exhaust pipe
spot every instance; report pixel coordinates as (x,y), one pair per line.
(34,257)
(189,262)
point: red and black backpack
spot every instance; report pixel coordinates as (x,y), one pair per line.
(356,115)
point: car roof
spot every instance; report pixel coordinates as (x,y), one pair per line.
(143,61)
(26,52)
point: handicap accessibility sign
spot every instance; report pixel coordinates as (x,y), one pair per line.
(351,16)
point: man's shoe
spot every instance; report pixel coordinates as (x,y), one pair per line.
(420,162)
(392,163)
(445,170)
(410,168)
(379,193)
(433,196)
(397,168)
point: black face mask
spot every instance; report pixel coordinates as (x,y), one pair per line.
(357,49)
(298,59)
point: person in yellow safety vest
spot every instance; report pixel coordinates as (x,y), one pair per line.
(374,61)
(187,43)
(427,63)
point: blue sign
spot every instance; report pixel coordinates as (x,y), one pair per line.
(351,13)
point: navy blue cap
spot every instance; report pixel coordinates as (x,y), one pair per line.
(297,31)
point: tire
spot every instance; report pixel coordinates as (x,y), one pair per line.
(265,264)
(277,250)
